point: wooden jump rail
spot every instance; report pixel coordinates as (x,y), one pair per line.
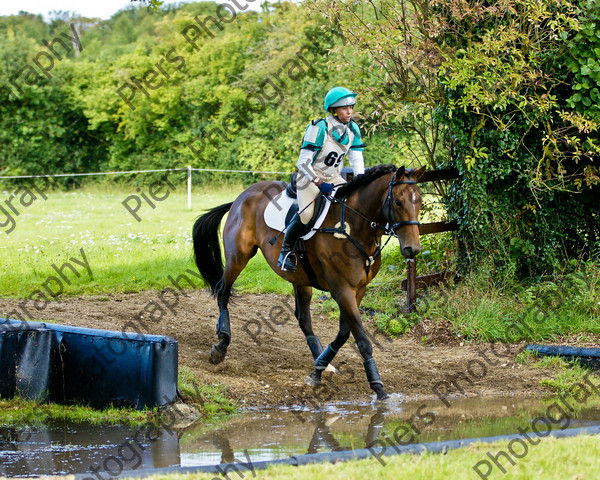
(412,282)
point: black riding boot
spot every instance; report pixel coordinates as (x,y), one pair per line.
(292,234)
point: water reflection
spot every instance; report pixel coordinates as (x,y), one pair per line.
(222,443)
(281,432)
(323,437)
(66,448)
(261,434)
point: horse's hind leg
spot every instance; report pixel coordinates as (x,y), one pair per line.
(323,361)
(327,355)
(303,296)
(237,256)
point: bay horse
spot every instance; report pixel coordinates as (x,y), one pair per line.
(344,255)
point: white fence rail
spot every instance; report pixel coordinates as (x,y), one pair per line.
(189,170)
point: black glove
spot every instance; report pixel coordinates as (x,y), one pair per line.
(326,188)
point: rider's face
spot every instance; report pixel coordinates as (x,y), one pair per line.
(343,114)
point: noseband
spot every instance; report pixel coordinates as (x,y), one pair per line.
(390,215)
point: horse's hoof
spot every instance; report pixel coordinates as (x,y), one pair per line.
(331,368)
(312,380)
(216,356)
(381,396)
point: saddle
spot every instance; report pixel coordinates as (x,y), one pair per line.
(282,208)
(291,191)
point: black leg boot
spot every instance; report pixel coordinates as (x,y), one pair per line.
(292,234)
(315,345)
(374,379)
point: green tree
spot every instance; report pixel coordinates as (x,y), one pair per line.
(523,150)
(389,48)
(505,92)
(42,129)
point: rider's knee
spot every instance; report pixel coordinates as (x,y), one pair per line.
(307,214)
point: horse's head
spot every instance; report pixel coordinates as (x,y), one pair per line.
(401,209)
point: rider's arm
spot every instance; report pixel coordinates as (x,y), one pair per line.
(357,162)
(355,155)
(312,142)
(305,164)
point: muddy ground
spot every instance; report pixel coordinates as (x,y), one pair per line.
(268,358)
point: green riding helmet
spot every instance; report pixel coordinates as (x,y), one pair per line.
(339,97)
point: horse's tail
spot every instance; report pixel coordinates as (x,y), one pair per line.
(207,248)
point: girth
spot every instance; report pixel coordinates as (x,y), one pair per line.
(305,263)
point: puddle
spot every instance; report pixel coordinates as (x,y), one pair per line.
(66,448)
(272,433)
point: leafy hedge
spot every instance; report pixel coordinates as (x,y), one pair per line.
(522,129)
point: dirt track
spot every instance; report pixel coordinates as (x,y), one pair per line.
(268,366)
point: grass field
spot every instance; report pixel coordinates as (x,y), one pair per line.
(93,226)
(86,242)
(123,254)
(550,459)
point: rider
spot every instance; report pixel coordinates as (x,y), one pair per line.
(325,144)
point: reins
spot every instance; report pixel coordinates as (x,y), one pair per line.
(389,229)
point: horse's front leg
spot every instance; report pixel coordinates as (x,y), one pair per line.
(314,378)
(370,368)
(350,321)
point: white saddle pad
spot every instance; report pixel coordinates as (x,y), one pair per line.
(278,208)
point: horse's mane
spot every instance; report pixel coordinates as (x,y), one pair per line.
(358,181)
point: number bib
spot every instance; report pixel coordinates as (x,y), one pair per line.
(330,160)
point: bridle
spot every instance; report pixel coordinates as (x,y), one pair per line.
(389,228)
(389,213)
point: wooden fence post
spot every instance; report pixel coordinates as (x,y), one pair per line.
(411,284)
(189,186)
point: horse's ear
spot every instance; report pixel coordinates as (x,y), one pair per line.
(419,173)
(400,173)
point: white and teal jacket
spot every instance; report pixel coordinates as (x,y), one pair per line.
(325,144)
